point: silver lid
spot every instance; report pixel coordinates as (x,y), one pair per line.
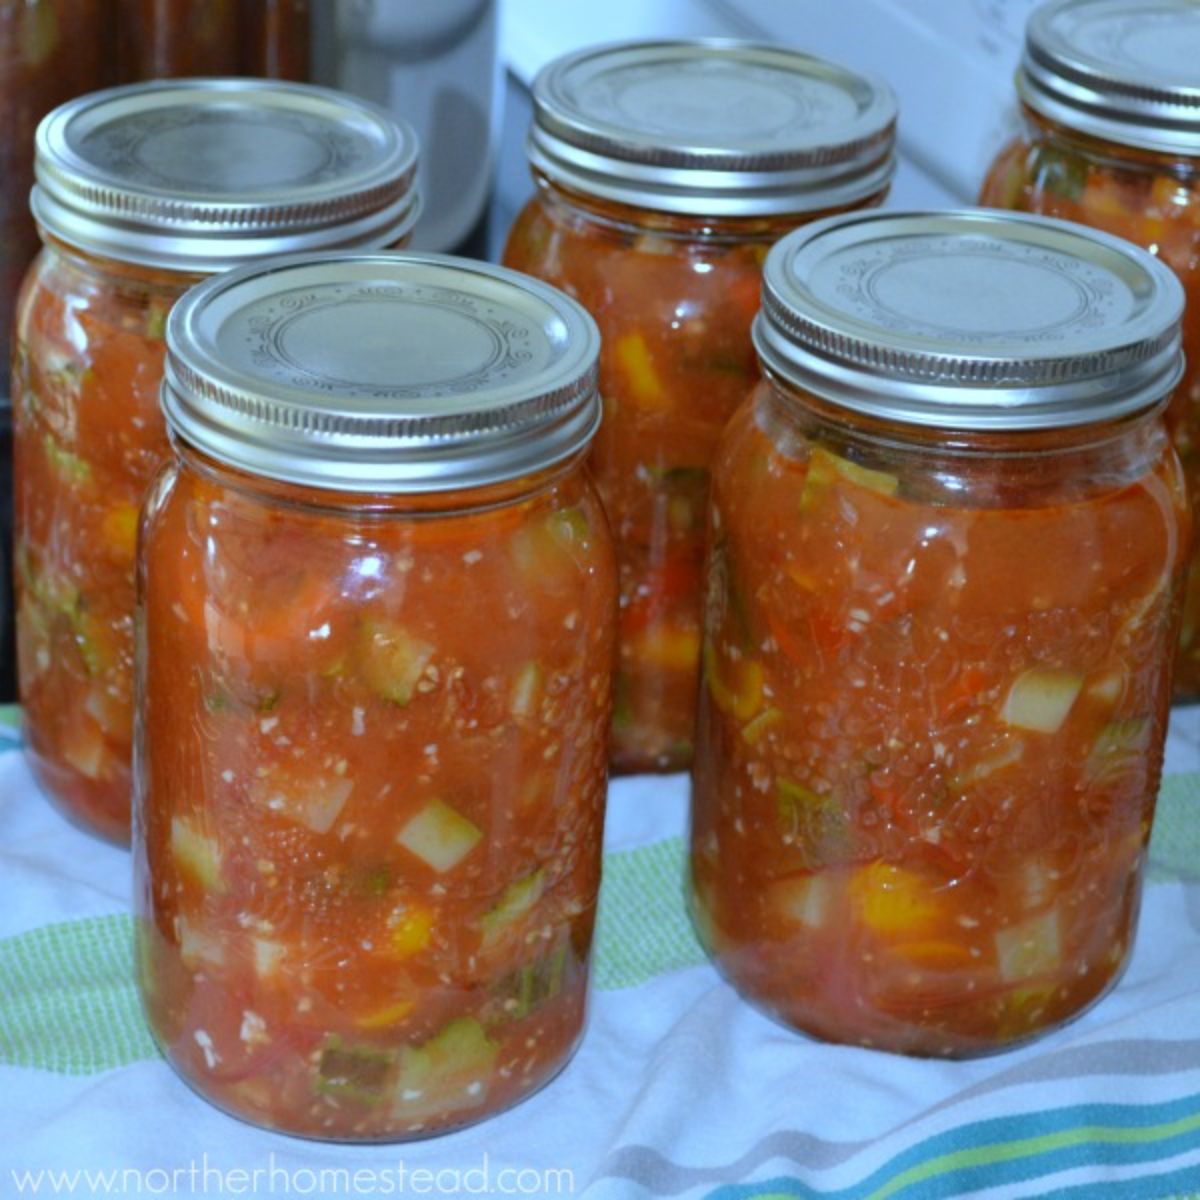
(1127,71)
(971,320)
(204,174)
(381,372)
(712,128)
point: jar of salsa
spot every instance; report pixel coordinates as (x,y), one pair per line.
(378,606)
(664,173)
(141,191)
(1110,93)
(949,536)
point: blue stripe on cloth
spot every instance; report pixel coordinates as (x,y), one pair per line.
(1012,1149)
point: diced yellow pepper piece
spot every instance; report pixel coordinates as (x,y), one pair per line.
(892,901)
(120,528)
(668,648)
(642,383)
(411,929)
(740,697)
(390,1014)
(825,468)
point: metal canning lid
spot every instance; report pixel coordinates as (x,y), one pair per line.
(971,320)
(712,128)
(1127,71)
(199,175)
(381,372)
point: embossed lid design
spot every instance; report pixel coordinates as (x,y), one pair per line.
(381,372)
(1124,70)
(712,128)
(971,320)
(204,174)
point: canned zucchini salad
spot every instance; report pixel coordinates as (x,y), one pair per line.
(141,191)
(665,171)
(1111,96)
(948,538)
(377,617)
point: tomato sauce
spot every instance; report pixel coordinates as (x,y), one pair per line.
(672,275)
(937,659)
(373,702)
(373,793)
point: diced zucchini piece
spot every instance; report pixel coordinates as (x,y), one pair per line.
(518,899)
(1032,948)
(410,929)
(359,1073)
(196,854)
(1040,699)
(642,384)
(440,836)
(818,825)
(1121,744)
(315,803)
(450,1072)
(548,551)
(756,730)
(894,902)
(156,319)
(535,983)
(526,692)
(1007,756)
(68,466)
(391,660)
(82,746)
(1107,688)
(803,899)
(197,948)
(569,527)
(268,955)
(825,468)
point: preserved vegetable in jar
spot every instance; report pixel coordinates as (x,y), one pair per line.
(378,602)
(164,38)
(665,171)
(50,50)
(275,38)
(249,169)
(948,543)
(1110,93)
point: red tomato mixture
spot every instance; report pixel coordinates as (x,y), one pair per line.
(674,298)
(88,439)
(1153,201)
(935,690)
(371,785)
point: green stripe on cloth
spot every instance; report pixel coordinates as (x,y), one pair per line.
(1175,844)
(642,929)
(68,1002)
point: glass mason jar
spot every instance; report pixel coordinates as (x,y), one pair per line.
(251,169)
(948,543)
(374,689)
(665,171)
(1117,147)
